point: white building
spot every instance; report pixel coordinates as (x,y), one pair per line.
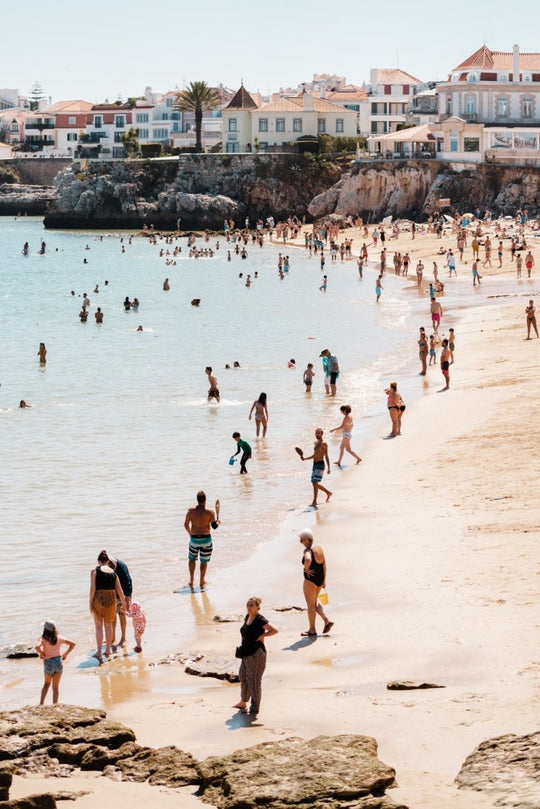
(490,108)
(389,100)
(249,126)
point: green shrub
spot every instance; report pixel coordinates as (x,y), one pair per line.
(8,175)
(335,144)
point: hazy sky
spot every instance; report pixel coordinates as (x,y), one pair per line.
(105,49)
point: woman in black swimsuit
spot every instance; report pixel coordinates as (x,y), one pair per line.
(395,405)
(314,565)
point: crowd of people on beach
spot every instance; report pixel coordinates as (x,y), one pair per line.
(111,587)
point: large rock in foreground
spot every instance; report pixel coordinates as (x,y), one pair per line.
(323,773)
(57,740)
(507,768)
(329,772)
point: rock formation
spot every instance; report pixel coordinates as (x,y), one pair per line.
(412,189)
(192,192)
(196,192)
(31,200)
(329,772)
(324,773)
(507,768)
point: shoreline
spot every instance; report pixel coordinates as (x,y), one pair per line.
(425,582)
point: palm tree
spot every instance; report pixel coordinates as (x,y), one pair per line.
(196,98)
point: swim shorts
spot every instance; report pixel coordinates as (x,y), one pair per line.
(202,543)
(213,393)
(435,317)
(53,665)
(317,472)
(333,377)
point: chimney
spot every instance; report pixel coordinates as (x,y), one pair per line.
(515,65)
(323,89)
(308,102)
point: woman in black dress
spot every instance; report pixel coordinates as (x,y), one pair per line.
(253,653)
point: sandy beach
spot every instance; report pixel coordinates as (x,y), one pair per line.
(430,546)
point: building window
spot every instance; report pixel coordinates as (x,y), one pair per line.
(472,78)
(525,140)
(471,144)
(118,137)
(280,124)
(72,119)
(98,121)
(502,108)
(72,136)
(321,126)
(119,121)
(470,106)
(296,124)
(169,101)
(501,140)
(142,133)
(233,125)
(263,124)
(527,108)
(388,89)
(502,77)
(141,118)
(339,124)
(160,134)
(454,141)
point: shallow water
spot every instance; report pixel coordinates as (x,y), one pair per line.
(120,436)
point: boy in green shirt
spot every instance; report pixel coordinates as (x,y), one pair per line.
(246,452)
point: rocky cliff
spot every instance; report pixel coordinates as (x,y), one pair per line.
(200,191)
(190,192)
(29,200)
(413,189)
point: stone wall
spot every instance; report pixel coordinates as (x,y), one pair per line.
(35,170)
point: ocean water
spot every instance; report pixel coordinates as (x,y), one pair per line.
(120,435)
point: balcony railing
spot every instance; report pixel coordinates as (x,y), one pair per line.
(93,137)
(39,125)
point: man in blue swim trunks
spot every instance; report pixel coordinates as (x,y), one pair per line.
(198,522)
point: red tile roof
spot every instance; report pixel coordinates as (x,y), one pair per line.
(484,58)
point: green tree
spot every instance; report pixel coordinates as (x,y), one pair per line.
(131,143)
(197,98)
(36,95)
